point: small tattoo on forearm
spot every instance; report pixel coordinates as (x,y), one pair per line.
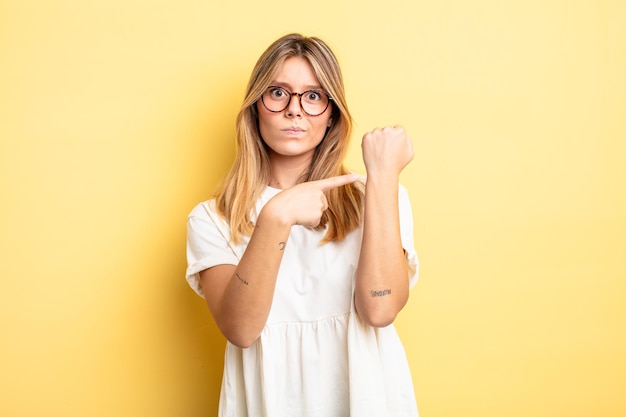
(243,281)
(281,245)
(380,293)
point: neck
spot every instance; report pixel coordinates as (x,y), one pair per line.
(286,172)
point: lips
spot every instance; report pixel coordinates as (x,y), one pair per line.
(293,130)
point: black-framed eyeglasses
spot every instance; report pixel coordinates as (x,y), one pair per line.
(312,102)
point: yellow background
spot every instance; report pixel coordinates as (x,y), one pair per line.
(117,117)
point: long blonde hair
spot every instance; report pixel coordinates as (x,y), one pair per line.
(250,172)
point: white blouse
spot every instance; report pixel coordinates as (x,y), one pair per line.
(315,357)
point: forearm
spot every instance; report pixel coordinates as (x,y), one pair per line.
(247,299)
(382,285)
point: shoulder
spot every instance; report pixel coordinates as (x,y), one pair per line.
(204,217)
(202,209)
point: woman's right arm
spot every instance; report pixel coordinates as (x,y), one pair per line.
(240,297)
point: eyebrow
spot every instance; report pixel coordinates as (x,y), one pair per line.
(288,86)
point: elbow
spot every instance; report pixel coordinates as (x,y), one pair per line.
(376,315)
(240,338)
(378,319)
(379,314)
(240,333)
(241,342)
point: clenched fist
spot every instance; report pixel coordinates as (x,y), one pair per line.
(386,151)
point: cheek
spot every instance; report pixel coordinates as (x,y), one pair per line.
(324,125)
(263,121)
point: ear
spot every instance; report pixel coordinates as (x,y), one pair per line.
(330,120)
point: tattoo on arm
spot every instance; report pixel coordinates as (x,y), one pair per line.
(243,281)
(281,245)
(380,293)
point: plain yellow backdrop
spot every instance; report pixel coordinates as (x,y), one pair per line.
(117,117)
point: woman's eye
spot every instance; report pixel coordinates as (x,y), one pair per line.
(313,95)
(277,92)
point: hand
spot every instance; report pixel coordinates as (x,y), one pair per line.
(386,151)
(304,204)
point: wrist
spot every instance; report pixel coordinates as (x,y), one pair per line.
(382,179)
(273,215)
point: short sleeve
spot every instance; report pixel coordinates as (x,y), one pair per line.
(406,234)
(208,238)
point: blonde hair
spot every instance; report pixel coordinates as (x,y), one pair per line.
(250,172)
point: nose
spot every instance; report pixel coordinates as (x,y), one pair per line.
(293,107)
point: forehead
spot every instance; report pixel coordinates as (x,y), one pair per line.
(296,72)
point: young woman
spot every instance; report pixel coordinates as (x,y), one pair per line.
(303,265)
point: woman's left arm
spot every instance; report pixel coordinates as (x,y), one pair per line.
(382,280)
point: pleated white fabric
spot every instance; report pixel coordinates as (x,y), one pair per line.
(315,357)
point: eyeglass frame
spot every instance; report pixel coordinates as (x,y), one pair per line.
(299,100)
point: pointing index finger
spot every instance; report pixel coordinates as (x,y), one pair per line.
(334,182)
